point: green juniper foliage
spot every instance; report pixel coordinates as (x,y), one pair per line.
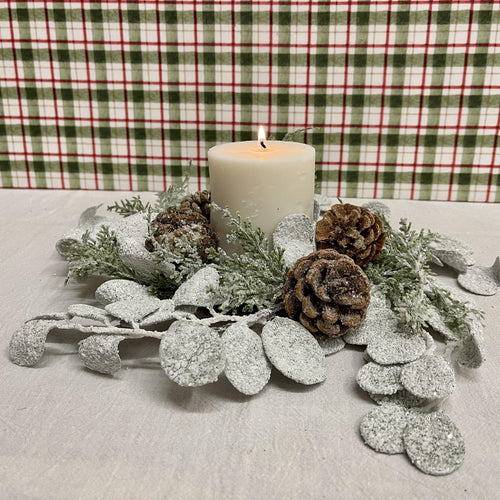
(403,273)
(171,197)
(129,207)
(97,256)
(253,279)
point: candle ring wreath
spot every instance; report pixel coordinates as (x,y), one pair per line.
(348,277)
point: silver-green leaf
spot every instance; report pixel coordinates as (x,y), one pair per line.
(191,354)
(100,353)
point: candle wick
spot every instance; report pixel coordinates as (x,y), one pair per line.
(263,144)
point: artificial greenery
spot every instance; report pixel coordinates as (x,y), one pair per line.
(97,255)
(254,278)
(129,207)
(169,198)
(403,273)
(181,257)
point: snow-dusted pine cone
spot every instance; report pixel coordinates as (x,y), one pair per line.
(353,231)
(198,202)
(327,292)
(176,223)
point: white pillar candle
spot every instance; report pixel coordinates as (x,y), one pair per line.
(263,184)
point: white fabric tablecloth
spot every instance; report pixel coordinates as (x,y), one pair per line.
(67,432)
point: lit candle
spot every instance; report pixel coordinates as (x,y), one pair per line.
(263,181)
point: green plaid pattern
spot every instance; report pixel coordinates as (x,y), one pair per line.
(403,97)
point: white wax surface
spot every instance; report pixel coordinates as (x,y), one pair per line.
(264,185)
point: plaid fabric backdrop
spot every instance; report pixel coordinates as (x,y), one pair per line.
(404,97)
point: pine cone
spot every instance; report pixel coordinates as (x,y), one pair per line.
(353,231)
(175,223)
(198,202)
(327,292)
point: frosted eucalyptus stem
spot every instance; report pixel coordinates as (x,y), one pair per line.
(133,333)
(251,319)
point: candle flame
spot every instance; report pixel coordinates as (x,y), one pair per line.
(262,137)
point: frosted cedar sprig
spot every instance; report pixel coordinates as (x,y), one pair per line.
(169,198)
(403,273)
(253,279)
(128,207)
(97,255)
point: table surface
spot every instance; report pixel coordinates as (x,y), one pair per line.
(67,432)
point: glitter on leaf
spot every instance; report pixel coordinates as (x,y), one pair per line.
(434,444)
(379,320)
(100,353)
(452,252)
(382,428)
(481,280)
(133,310)
(116,290)
(191,354)
(471,352)
(198,290)
(164,313)
(295,234)
(294,351)
(331,345)
(401,346)
(27,344)
(428,377)
(379,379)
(379,208)
(247,367)
(402,398)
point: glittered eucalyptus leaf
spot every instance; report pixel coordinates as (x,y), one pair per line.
(294,351)
(452,252)
(100,353)
(481,280)
(198,290)
(402,398)
(164,313)
(436,321)
(428,377)
(331,345)
(27,344)
(379,208)
(323,201)
(191,354)
(89,221)
(379,320)
(89,217)
(116,290)
(295,234)
(471,352)
(133,310)
(382,428)
(379,379)
(131,233)
(434,443)
(247,367)
(400,346)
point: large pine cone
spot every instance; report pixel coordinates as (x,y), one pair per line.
(198,202)
(327,292)
(175,223)
(353,231)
